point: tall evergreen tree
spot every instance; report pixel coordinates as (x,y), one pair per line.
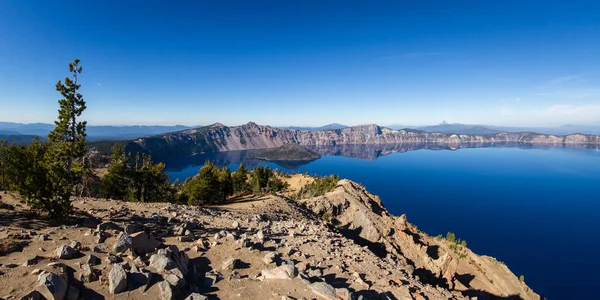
(63,159)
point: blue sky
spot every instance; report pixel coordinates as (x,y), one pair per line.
(532,63)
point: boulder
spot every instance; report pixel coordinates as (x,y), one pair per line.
(117,279)
(52,286)
(142,243)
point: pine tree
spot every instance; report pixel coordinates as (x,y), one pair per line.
(239,178)
(67,146)
(117,180)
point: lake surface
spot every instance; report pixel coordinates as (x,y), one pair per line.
(536,209)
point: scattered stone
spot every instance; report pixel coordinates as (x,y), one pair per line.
(44,237)
(166,292)
(188,236)
(75,245)
(196,296)
(65,252)
(281,272)
(32,261)
(107,226)
(133,228)
(260,235)
(324,290)
(117,279)
(210,278)
(270,257)
(236,225)
(87,274)
(316,273)
(230,264)
(175,281)
(124,242)
(111,259)
(160,261)
(92,260)
(36,272)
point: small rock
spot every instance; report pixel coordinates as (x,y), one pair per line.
(65,252)
(236,225)
(281,272)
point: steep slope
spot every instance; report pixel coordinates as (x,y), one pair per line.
(362,217)
(218,137)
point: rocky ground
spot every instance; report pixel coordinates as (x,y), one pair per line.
(267,247)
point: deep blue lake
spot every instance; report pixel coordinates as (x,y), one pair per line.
(536,209)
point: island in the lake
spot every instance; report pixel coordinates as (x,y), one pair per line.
(286,152)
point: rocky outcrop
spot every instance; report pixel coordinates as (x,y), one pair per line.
(361,216)
(217,137)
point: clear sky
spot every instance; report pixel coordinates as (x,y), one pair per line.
(533,63)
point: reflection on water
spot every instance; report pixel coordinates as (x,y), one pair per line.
(365,152)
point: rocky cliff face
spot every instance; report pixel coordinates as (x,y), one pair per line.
(362,217)
(217,137)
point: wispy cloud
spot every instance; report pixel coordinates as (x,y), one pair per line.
(566,79)
(410,55)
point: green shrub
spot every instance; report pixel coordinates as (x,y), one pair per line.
(318,187)
(450,237)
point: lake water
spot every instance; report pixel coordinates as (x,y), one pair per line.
(536,209)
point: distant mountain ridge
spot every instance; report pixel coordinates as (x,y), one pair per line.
(332,126)
(459,128)
(108,132)
(218,137)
